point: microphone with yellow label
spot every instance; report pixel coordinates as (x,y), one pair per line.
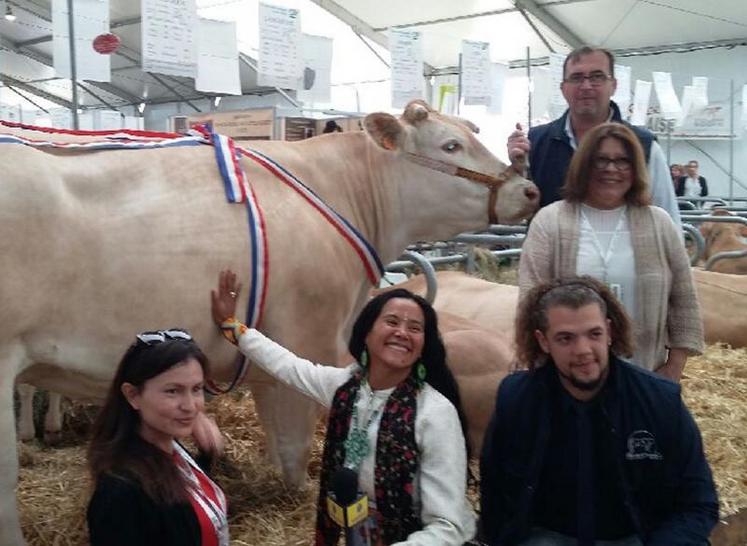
(347,507)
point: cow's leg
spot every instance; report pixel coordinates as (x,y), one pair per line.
(53,420)
(10,529)
(289,420)
(26,429)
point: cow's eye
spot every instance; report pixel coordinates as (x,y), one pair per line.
(451,146)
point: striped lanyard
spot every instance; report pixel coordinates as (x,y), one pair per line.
(216,511)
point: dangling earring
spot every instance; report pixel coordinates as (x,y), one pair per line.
(364,358)
(420,373)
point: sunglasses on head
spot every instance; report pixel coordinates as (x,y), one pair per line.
(153,338)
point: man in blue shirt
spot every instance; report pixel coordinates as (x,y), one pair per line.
(585,448)
(588,85)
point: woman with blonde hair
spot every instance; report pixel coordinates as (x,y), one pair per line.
(607,228)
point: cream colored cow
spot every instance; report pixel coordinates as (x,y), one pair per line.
(99,246)
(723,300)
(491,305)
(52,418)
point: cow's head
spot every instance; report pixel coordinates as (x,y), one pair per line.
(422,132)
(722,236)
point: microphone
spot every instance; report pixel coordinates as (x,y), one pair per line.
(347,507)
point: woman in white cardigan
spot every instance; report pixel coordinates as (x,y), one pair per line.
(606,227)
(395,419)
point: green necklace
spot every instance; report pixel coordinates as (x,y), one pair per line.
(357,446)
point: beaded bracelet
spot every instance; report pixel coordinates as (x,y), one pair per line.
(232,329)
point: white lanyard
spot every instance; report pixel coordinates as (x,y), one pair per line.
(605,256)
(216,512)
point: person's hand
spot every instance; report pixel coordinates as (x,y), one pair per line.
(518,146)
(207,435)
(224,300)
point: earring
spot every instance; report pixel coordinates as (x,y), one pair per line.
(420,372)
(364,358)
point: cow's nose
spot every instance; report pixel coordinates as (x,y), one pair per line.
(532,193)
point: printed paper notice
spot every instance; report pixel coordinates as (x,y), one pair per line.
(622,93)
(316,77)
(90,18)
(279,46)
(406,47)
(669,104)
(168,35)
(476,72)
(641,97)
(217,58)
(558,104)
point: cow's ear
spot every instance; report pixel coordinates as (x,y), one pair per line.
(385,130)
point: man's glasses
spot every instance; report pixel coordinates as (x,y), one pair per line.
(620,163)
(595,78)
(153,338)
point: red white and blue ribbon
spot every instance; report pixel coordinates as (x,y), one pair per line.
(234,182)
(366,252)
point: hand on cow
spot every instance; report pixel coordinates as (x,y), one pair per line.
(207,435)
(518,146)
(224,300)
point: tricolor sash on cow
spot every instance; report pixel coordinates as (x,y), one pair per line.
(234,181)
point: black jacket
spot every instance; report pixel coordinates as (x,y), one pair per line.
(551,153)
(670,499)
(679,187)
(120,513)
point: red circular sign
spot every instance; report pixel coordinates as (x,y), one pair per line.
(106,43)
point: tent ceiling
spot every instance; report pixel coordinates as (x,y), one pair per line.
(511,26)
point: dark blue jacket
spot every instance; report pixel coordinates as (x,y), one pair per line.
(670,499)
(551,153)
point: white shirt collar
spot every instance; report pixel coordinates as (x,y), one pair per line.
(569,129)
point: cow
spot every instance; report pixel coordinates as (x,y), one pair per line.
(479,359)
(723,300)
(476,322)
(99,245)
(724,237)
(52,417)
(491,305)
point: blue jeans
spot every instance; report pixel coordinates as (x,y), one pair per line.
(543,537)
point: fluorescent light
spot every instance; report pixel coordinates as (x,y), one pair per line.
(9,15)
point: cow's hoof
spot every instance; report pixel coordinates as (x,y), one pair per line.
(52,437)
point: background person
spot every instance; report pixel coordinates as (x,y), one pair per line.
(606,228)
(395,417)
(676,170)
(691,184)
(588,85)
(585,448)
(148,490)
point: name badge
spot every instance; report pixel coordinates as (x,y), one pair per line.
(616,289)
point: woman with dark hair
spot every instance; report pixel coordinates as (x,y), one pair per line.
(148,490)
(395,419)
(605,227)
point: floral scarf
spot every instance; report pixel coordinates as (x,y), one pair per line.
(396,464)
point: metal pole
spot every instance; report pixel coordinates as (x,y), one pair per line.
(459,87)
(529,91)
(731,141)
(73,66)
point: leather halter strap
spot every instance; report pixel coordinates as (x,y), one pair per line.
(492,182)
